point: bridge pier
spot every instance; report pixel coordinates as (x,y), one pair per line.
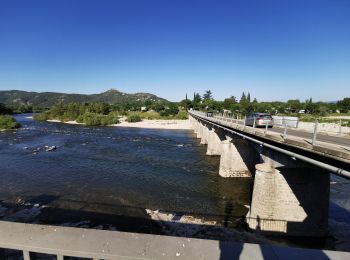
(214,142)
(205,134)
(237,158)
(290,201)
(199,130)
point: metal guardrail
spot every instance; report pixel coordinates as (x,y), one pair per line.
(286,123)
(335,170)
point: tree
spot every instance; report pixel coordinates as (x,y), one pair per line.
(344,105)
(185,103)
(294,105)
(248,97)
(4,109)
(207,95)
(196,100)
(243,98)
(233,98)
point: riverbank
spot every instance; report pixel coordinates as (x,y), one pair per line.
(158,124)
(146,123)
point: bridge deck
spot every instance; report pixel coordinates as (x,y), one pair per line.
(101,244)
(332,150)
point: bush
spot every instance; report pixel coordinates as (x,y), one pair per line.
(42,116)
(8,122)
(134,118)
(110,119)
(89,119)
(94,119)
(182,115)
(150,115)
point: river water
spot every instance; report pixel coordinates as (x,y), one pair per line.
(102,176)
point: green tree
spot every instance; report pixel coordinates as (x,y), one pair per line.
(208,95)
(243,98)
(8,122)
(344,105)
(4,110)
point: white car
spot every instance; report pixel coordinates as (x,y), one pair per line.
(261,119)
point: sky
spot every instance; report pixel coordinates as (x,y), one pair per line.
(275,49)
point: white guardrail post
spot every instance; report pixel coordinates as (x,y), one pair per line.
(26,255)
(315,133)
(285,130)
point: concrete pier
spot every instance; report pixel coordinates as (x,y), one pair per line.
(205,134)
(199,130)
(290,201)
(237,158)
(214,142)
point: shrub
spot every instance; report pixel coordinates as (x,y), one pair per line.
(110,119)
(8,122)
(42,116)
(89,119)
(134,118)
(182,115)
(151,115)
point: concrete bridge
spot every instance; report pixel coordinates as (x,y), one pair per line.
(291,173)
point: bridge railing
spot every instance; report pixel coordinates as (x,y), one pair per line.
(290,123)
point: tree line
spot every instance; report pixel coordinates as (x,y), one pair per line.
(246,104)
(107,114)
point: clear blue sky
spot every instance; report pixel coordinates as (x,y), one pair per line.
(277,50)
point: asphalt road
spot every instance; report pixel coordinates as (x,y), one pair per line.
(341,141)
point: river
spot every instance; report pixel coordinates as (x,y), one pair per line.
(106,177)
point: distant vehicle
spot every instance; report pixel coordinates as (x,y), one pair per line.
(209,113)
(261,119)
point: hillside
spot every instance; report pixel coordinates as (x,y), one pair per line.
(47,99)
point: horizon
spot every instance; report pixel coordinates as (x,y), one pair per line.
(189,97)
(274,50)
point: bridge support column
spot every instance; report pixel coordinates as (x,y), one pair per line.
(290,201)
(236,158)
(214,143)
(205,134)
(195,126)
(192,122)
(199,130)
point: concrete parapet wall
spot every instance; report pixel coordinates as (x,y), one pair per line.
(103,244)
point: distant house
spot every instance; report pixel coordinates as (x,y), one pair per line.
(143,109)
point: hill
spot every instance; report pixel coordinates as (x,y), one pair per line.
(48,99)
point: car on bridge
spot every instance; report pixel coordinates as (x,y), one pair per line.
(210,114)
(259,119)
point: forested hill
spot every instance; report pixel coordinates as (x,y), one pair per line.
(48,99)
